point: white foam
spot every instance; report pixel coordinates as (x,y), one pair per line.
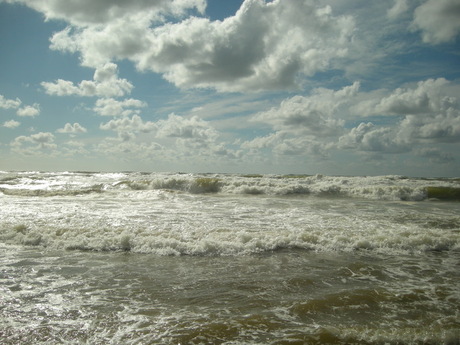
(374,188)
(227,223)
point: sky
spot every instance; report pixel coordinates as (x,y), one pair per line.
(336,87)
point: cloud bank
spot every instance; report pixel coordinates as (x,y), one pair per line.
(263,46)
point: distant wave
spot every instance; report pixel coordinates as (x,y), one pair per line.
(374,188)
(50,193)
(228,214)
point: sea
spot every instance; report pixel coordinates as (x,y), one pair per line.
(176,258)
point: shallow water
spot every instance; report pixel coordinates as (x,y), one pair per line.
(93,259)
(291,296)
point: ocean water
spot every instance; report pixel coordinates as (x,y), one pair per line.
(149,258)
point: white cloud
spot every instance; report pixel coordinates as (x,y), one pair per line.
(29,110)
(305,125)
(425,98)
(441,127)
(88,12)
(191,129)
(195,139)
(370,138)
(72,148)
(284,144)
(439,20)
(430,111)
(34,144)
(105,83)
(186,138)
(98,45)
(112,107)
(259,143)
(11,124)
(302,146)
(399,7)
(427,112)
(72,129)
(129,150)
(263,46)
(128,128)
(9,103)
(314,115)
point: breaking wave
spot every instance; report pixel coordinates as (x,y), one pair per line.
(370,187)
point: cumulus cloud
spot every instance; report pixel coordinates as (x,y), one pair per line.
(442,127)
(438,20)
(428,112)
(425,98)
(302,146)
(72,148)
(90,12)
(284,144)
(105,83)
(72,129)
(126,150)
(194,128)
(112,107)
(127,128)
(9,103)
(305,125)
(35,144)
(194,137)
(263,46)
(370,138)
(11,124)
(185,136)
(262,142)
(313,115)
(29,110)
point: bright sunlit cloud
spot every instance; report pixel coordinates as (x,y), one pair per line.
(284,86)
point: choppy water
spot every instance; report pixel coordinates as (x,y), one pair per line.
(131,258)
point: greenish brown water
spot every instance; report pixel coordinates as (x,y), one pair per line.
(284,297)
(128,258)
